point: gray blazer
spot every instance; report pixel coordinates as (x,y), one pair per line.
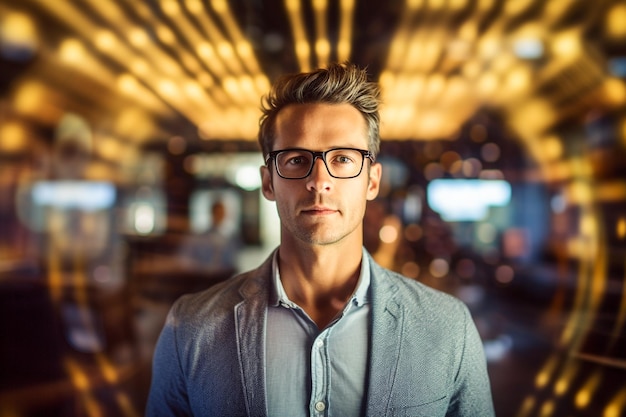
(426,356)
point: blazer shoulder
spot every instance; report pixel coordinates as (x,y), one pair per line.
(418,298)
(222,297)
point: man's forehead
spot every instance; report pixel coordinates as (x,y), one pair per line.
(320,118)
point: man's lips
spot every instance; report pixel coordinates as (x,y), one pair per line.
(318,210)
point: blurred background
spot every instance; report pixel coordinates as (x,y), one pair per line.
(128,141)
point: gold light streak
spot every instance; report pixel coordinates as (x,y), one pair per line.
(105,40)
(207,49)
(547,409)
(72,51)
(457,5)
(620,322)
(588,390)
(547,372)
(227,61)
(567,44)
(13,136)
(415,52)
(614,92)
(345,30)
(554,11)
(553,147)
(517,7)
(156,60)
(398,46)
(55,276)
(17,28)
(67,13)
(79,378)
(242,45)
(129,85)
(433,46)
(615,19)
(233,63)
(564,381)
(322,46)
(617,404)
(527,406)
(75,53)
(81,382)
(302,47)
(126,406)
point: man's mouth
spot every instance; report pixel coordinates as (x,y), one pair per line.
(318,210)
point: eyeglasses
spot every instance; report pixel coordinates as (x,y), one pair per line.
(295,164)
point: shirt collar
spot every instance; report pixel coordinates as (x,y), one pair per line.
(360,296)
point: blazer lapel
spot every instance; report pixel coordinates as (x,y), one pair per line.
(386,342)
(250,316)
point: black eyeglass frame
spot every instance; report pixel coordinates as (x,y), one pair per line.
(319,154)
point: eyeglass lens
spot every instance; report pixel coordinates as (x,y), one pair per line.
(341,163)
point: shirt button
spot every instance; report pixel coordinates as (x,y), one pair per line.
(320,406)
(319,343)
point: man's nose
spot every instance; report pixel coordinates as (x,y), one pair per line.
(319,179)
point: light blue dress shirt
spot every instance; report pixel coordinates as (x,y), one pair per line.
(317,372)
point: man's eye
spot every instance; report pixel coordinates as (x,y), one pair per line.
(297,160)
(343,159)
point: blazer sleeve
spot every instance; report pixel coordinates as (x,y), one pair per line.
(472,389)
(168,395)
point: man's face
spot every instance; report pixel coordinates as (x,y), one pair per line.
(320,209)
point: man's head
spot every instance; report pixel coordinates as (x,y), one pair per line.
(319,135)
(336,84)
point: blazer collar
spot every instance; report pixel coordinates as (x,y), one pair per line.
(250,317)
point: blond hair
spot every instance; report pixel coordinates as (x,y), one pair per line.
(335,84)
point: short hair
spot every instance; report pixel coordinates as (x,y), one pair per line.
(336,84)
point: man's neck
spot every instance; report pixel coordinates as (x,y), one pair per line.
(321,279)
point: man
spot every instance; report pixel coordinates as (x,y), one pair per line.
(320,329)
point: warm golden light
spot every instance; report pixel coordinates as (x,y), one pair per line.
(563,383)
(29,97)
(109,148)
(414,4)
(138,37)
(170,7)
(518,79)
(617,405)
(588,390)
(621,228)
(515,7)
(13,137)
(165,34)
(615,19)
(105,40)
(72,51)
(545,375)
(322,48)
(567,44)
(388,234)
(614,91)
(194,6)
(547,409)
(18,29)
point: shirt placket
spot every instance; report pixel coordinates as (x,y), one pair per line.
(320,372)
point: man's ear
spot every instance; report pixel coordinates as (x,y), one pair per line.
(266,183)
(373,186)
